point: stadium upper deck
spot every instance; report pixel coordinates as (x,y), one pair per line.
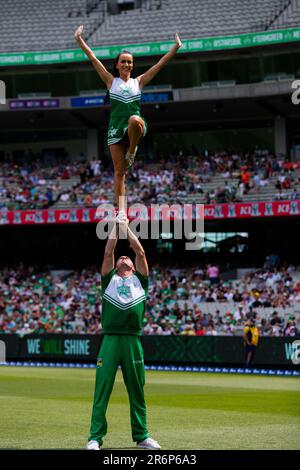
(49,24)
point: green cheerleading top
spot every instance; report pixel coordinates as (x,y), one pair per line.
(125,99)
(123,303)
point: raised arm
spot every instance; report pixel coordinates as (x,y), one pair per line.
(147,76)
(109,252)
(105,76)
(140,255)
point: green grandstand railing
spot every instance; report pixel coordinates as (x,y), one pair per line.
(154,48)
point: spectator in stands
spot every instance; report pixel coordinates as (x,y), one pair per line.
(213,274)
(245,179)
(83,174)
(294,195)
(290,329)
(200,330)
(228,326)
(239,314)
(280,195)
(125,132)
(211,331)
(88,200)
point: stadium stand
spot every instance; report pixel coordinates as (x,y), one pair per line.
(50,24)
(220,178)
(30,186)
(181,301)
(289,17)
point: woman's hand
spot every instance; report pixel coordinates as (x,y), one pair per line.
(78,32)
(177,40)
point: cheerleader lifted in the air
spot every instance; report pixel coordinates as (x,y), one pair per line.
(126,125)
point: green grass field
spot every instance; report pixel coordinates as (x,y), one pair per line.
(50,408)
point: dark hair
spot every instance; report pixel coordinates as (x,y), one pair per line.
(116,73)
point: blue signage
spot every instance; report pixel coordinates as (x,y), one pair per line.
(98,100)
(158,97)
(86,101)
(34,103)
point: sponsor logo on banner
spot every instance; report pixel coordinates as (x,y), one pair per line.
(231,210)
(30,217)
(154,212)
(64,216)
(51,217)
(86,216)
(284,208)
(209,212)
(246,210)
(87,101)
(269,209)
(39,217)
(3,218)
(73,216)
(34,103)
(219,212)
(17,218)
(294,209)
(255,210)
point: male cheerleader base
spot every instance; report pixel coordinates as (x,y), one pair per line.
(124,296)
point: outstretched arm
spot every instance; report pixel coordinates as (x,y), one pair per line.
(147,76)
(106,76)
(140,255)
(109,252)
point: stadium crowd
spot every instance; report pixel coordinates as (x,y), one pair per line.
(181,175)
(32,185)
(70,302)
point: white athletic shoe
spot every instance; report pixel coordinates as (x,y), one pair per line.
(93,445)
(121,217)
(148,443)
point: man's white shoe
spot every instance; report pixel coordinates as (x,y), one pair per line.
(93,445)
(148,443)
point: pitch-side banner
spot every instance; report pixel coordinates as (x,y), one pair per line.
(155,212)
(160,349)
(145,49)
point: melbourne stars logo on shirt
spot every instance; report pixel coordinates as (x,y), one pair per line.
(125,89)
(124,291)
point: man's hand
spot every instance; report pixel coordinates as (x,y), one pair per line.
(78,32)
(123,222)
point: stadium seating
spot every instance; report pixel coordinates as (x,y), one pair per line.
(208,184)
(289,17)
(50,24)
(215,183)
(70,302)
